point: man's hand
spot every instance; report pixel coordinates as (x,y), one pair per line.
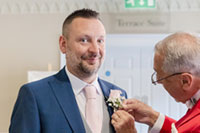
(123,122)
(140,111)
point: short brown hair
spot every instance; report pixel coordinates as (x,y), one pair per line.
(83,13)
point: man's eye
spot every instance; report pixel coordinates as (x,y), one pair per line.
(84,40)
(100,41)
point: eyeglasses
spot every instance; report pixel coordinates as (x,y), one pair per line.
(154,79)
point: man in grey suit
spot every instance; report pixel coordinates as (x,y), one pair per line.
(57,103)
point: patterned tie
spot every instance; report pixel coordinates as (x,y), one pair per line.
(92,114)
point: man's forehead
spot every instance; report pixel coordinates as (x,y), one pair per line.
(84,20)
(86,26)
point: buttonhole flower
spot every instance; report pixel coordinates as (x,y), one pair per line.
(115,99)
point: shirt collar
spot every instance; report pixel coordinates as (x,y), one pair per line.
(78,84)
(193,100)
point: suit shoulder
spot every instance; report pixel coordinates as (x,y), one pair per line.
(39,83)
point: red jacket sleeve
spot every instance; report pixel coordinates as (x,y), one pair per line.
(166,128)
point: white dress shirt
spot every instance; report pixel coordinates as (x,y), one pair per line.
(160,121)
(78,89)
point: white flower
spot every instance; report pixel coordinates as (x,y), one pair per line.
(115,93)
(115,99)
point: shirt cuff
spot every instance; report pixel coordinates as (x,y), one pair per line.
(158,124)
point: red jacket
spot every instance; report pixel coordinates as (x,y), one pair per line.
(189,123)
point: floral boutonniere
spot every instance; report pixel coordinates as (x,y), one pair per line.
(115,99)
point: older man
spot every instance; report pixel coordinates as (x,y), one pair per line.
(177,68)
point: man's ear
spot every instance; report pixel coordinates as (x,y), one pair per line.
(63,44)
(186,80)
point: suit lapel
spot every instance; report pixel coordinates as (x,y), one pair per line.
(189,115)
(106,91)
(66,99)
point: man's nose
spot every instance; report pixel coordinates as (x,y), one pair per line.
(94,48)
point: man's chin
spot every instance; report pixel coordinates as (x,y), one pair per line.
(92,66)
(92,70)
(178,101)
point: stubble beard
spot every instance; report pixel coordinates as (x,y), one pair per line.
(87,70)
(83,69)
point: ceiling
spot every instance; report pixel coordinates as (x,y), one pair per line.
(105,6)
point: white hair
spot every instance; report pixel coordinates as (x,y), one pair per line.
(181,52)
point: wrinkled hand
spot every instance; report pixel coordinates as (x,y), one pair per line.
(140,111)
(123,122)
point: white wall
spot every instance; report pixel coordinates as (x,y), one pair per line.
(27,42)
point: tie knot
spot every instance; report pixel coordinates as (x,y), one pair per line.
(90,92)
